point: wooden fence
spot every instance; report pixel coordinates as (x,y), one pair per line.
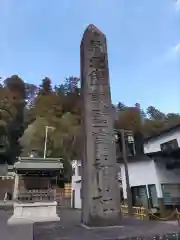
(138,212)
(36,196)
(63,196)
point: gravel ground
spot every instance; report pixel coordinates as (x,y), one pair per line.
(69,229)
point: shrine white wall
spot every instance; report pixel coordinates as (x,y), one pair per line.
(153,145)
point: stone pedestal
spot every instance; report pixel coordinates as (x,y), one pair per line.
(34,212)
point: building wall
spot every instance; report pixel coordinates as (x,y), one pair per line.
(165,175)
(6,181)
(76,185)
(144,172)
(75,177)
(78,196)
(153,145)
(140,173)
(149,172)
(6,186)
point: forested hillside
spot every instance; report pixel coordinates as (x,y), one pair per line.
(25,110)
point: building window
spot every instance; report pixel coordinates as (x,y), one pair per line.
(170,145)
(153,200)
(131,149)
(79,171)
(139,196)
(171,194)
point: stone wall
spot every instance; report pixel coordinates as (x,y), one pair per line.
(6,185)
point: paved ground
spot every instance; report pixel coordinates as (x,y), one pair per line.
(69,229)
(15,232)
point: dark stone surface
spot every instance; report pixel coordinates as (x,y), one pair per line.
(100,188)
(69,228)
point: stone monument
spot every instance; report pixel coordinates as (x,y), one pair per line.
(100,191)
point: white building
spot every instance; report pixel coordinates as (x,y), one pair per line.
(154,176)
(76,184)
(152,183)
(158,142)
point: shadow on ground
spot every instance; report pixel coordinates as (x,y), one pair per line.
(69,229)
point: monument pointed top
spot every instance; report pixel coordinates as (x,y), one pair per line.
(93,28)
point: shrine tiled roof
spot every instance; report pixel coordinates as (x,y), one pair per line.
(38,164)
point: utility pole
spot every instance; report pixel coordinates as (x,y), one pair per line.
(46,137)
(125,161)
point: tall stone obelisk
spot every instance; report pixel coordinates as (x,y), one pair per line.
(100,191)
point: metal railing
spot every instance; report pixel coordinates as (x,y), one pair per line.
(37,196)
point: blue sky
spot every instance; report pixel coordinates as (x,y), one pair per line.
(42,38)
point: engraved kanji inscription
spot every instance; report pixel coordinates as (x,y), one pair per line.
(99,118)
(98,184)
(98,62)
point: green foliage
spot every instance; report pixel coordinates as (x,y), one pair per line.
(26,110)
(149,122)
(58,108)
(46,86)
(155,114)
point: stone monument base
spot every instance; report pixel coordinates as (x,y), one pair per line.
(100,222)
(34,212)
